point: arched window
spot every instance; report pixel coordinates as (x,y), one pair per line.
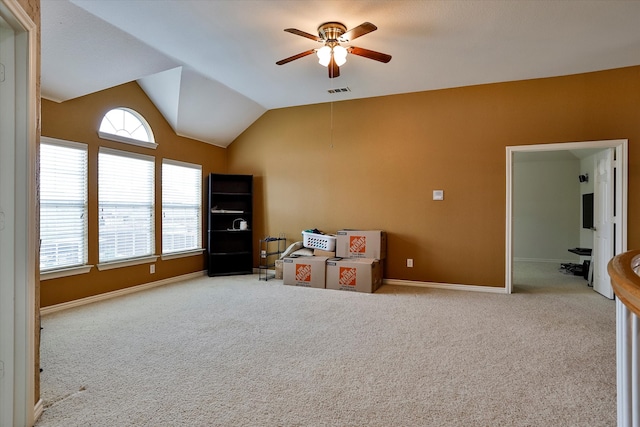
(128,126)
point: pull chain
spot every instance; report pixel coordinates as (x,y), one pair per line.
(331,127)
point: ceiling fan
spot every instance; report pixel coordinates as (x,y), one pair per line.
(332,55)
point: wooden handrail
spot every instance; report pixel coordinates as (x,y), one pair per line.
(625,280)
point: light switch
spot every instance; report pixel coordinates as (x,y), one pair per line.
(438,194)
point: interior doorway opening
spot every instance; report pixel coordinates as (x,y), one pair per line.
(618,201)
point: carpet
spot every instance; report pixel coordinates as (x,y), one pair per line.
(236,351)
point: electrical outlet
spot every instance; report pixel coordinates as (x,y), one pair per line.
(409,262)
(152,268)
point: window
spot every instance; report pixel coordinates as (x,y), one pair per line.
(125,204)
(126,125)
(63,204)
(181,207)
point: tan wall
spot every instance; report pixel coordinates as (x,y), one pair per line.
(385,155)
(78,120)
(376,168)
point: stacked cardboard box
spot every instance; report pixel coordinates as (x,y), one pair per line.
(354,274)
(361,244)
(362,254)
(309,271)
(357,264)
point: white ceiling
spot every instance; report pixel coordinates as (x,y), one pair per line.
(209,66)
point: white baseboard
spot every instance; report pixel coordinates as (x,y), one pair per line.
(450,286)
(38,410)
(120,292)
(551,261)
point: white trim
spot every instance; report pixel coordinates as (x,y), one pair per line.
(185,254)
(126,262)
(622,194)
(194,168)
(448,286)
(181,163)
(126,291)
(622,171)
(82,200)
(63,142)
(65,272)
(549,261)
(508,265)
(22,346)
(125,140)
(125,153)
(38,409)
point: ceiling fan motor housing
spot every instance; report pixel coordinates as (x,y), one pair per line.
(331,31)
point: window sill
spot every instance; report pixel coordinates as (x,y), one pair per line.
(185,254)
(126,263)
(64,272)
(125,140)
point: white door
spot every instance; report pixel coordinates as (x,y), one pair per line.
(603,221)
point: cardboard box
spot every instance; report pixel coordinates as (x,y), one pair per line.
(361,244)
(320,252)
(278,268)
(354,274)
(309,271)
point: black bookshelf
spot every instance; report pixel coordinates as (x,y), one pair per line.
(229,243)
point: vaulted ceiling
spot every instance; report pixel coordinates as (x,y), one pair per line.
(210,66)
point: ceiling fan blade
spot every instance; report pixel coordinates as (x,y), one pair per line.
(360,30)
(371,54)
(334,70)
(303,34)
(294,57)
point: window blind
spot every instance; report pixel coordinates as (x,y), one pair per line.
(125,205)
(63,204)
(181,206)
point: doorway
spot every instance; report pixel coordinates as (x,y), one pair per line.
(619,226)
(18,226)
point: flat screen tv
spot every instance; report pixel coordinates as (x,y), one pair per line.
(587,210)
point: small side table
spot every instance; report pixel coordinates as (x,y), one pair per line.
(581,251)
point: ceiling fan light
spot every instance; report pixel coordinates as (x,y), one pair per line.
(324,55)
(340,55)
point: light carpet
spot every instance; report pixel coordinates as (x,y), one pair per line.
(237,351)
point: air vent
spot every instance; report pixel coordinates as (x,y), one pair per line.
(339,90)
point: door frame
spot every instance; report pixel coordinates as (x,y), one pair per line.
(19,187)
(622,166)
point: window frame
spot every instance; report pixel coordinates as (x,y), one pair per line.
(134,260)
(85,267)
(191,251)
(123,139)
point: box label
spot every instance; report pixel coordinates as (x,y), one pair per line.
(303,272)
(347,276)
(357,244)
